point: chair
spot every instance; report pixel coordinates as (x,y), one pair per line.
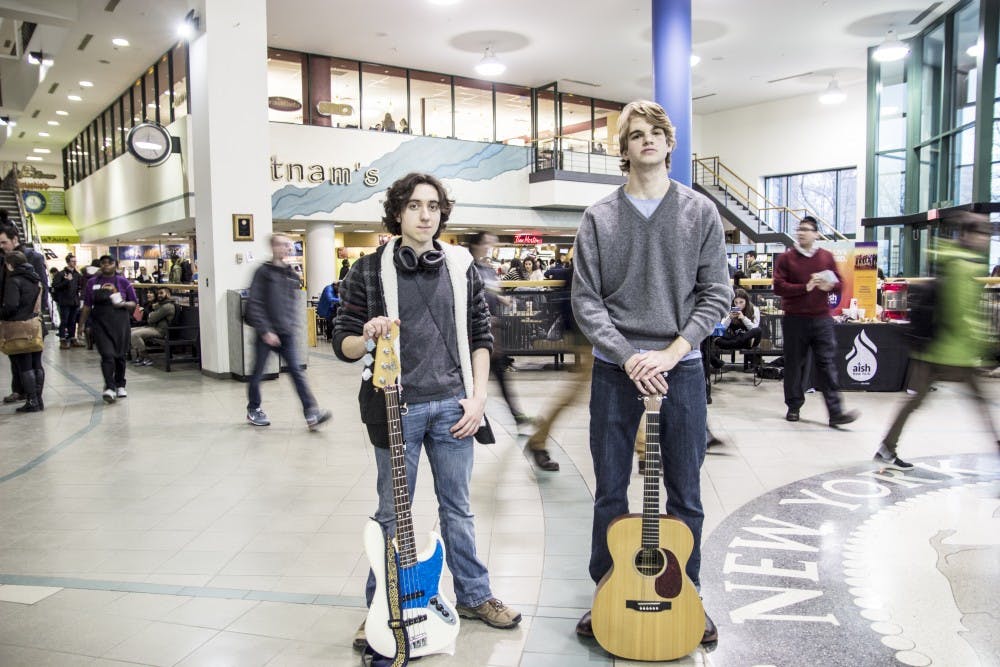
(183,340)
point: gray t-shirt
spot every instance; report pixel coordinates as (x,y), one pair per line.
(645,206)
(427,337)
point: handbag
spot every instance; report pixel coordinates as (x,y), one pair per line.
(22,336)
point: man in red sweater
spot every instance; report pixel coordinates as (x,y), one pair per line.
(803,277)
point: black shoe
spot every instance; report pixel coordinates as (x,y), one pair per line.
(887,460)
(584,627)
(713,442)
(544,461)
(711,635)
(792,415)
(844,418)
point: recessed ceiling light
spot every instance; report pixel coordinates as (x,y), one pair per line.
(41,150)
(33,158)
(86,84)
(363,231)
(53,122)
(74,98)
(119,41)
(43,134)
(62,113)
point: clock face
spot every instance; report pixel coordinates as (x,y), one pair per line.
(149,143)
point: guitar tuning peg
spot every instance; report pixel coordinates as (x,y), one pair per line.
(367,374)
(368,359)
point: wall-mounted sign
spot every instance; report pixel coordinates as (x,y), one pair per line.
(317,173)
(527,239)
(283,103)
(334,109)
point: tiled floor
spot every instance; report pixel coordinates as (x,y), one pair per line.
(164,530)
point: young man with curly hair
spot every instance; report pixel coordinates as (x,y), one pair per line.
(435,293)
(650,284)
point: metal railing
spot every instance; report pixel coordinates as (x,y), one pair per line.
(710,171)
(575,154)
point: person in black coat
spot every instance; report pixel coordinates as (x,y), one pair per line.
(21,303)
(66,288)
(10,241)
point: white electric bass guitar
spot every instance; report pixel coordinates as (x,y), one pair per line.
(409,616)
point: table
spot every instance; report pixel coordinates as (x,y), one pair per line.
(871,357)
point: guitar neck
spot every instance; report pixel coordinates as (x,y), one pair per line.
(651,483)
(405,543)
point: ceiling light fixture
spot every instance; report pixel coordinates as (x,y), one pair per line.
(41,150)
(33,158)
(53,122)
(120,41)
(43,134)
(695,60)
(833,94)
(73,98)
(891,49)
(62,113)
(490,65)
(86,84)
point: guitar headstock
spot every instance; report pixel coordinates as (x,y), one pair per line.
(385,370)
(652,402)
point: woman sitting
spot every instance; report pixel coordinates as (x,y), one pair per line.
(742,327)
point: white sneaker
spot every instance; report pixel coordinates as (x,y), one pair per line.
(121,393)
(108,395)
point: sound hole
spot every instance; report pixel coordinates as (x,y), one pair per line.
(649,562)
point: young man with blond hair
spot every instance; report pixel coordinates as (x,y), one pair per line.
(651,282)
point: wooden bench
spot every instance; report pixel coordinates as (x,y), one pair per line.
(182,343)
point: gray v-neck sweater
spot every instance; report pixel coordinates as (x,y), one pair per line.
(641,282)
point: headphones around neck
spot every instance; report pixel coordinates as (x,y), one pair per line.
(407,261)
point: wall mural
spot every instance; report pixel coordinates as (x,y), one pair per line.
(444,158)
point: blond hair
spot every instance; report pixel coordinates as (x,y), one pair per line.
(655,116)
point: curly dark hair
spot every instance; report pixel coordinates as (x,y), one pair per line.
(399,194)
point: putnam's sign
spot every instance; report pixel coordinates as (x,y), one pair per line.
(296,172)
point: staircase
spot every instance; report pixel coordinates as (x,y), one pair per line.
(747,209)
(8,202)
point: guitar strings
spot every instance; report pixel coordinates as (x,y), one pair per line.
(407,577)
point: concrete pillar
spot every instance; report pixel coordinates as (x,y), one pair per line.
(321,260)
(231,139)
(672,76)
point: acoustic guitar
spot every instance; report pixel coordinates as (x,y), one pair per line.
(409,615)
(646,607)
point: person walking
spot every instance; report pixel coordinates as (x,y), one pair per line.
(803,277)
(273,311)
(21,302)
(10,240)
(108,302)
(66,287)
(960,338)
(649,284)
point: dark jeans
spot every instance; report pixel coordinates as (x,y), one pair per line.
(923,375)
(29,361)
(288,349)
(802,334)
(615,412)
(739,341)
(67,321)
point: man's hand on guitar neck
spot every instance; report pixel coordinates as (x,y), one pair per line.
(647,369)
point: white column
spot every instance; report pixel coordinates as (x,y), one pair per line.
(231,142)
(321,262)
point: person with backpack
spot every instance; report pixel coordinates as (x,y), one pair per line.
(948,336)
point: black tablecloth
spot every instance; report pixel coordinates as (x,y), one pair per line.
(871,357)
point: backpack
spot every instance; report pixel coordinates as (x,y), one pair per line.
(922,306)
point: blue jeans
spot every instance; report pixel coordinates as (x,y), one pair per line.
(290,351)
(615,412)
(425,425)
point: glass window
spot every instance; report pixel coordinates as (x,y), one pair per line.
(285,85)
(513,114)
(965,55)
(606,126)
(179,79)
(163,89)
(577,130)
(340,106)
(149,106)
(928,184)
(830,195)
(473,109)
(890,184)
(965,143)
(545,124)
(383,94)
(931,84)
(119,137)
(430,104)
(847,201)
(109,133)
(137,105)
(892,106)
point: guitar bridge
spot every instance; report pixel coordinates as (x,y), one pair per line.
(648,605)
